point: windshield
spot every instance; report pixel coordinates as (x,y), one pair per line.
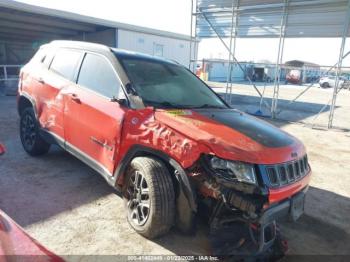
(165,85)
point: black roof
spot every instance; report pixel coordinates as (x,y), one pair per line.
(121,53)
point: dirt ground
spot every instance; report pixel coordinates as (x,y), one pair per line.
(71,210)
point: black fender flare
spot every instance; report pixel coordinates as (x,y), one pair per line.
(30,99)
(181,176)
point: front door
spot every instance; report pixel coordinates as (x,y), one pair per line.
(92,122)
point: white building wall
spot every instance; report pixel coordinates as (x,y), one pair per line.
(175,49)
(218,72)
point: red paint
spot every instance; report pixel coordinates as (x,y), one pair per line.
(105,130)
(226,142)
(278,194)
(15,241)
(2,149)
(142,128)
(183,134)
(90,120)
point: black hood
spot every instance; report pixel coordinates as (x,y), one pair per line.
(252,127)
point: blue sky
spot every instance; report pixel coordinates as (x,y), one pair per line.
(174,16)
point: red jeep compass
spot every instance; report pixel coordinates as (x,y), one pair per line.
(156,132)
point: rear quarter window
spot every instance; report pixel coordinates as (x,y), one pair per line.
(65,63)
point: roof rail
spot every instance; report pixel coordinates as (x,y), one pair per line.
(79,44)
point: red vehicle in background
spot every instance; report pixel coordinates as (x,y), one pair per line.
(16,244)
(294,77)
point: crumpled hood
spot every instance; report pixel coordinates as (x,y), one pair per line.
(231,134)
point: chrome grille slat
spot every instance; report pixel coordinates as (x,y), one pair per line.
(296,169)
(272,174)
(287,173)
(290,171)
(282,175)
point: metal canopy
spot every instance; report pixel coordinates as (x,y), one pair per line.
(22,26)
(52,21)
(274,18)
(306,18)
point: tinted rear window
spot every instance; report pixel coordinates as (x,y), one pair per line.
(65,63)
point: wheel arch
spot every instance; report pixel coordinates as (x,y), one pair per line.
(25,101)
(180,176)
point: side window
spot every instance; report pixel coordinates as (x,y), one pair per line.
(39,56)
(48,58)
(97,74)
(65,63)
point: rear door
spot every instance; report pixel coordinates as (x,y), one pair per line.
(62,65)
(92,122)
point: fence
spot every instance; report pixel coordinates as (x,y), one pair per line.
(9,79)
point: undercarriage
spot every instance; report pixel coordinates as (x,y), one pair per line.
(242,221)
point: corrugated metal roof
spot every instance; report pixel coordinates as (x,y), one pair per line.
(14,5)
(306,18)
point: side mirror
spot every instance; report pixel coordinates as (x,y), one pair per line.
(121,101)
(130,89)
(2,149)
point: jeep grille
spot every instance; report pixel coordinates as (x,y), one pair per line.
(287,173)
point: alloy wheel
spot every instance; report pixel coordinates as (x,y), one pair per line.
(28,131)
(138,203)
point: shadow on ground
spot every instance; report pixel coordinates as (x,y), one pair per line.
(296,112)
(320,231)
(35,189)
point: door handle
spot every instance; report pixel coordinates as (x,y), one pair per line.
(103,144)
(41,81)
(75,98)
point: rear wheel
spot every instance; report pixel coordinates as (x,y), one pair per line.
(149,197)
(31,140)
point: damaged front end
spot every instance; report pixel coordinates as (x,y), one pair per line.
(234,193)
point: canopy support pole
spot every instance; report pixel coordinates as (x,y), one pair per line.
(233,38)
(339,66)
(276,85)
(233,57)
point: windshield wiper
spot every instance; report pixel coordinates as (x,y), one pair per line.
(163,104)
(209,106)
(166,104)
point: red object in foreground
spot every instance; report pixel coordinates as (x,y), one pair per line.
(2,149)
(14,241)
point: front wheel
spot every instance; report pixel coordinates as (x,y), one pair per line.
(149,197)
(31,140)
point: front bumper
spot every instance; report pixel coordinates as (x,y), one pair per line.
(292,207)
(278,194)
(282,209)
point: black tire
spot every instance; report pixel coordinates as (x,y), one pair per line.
(31,140)
(143,173)
(325,85)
